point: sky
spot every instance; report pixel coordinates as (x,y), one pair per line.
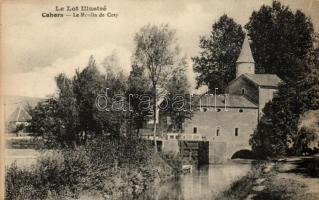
(36,49)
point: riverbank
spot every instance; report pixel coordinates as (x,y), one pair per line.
(102,169)
(293,179)
(205,182)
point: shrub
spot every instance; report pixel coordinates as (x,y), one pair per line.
(19,184)
(111,167)
(242,187)
(55,174)
(174,161)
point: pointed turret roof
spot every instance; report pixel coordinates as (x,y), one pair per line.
(245,55)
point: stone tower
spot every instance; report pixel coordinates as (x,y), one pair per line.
(245,63)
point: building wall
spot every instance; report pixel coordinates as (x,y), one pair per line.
(208,122)
(265,95)
(251,91)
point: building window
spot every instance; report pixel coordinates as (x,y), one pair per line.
(217,131)
(205,109)
(195,130)
(236,131)
(218,110)
(241,110)
(243,91)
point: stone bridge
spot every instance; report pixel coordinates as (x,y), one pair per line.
(215,151)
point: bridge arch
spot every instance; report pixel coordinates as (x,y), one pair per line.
(243,154)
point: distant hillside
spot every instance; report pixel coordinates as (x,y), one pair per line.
(11,103)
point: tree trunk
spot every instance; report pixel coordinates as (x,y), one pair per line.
(138,132)
(154,117)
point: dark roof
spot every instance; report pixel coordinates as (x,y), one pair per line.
(235,101)
(245,55)
(264,79)
(20,115)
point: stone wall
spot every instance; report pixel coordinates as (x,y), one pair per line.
(265,95)
(225,123)
(251,91)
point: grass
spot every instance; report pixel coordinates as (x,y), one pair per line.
(106,168)
(275,187)
(282,189)
(291,185)
(241,188)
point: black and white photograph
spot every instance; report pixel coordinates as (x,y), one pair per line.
(159,100)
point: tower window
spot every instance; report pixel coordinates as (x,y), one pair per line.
(236,131)
(217,131)
(243,91)
(195,130)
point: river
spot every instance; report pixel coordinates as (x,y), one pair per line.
(204,183)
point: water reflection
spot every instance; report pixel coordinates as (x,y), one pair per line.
(204,183)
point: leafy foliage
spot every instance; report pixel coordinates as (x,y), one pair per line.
(177,100)
(280,37)
(108,166)
(47,124)
(87,84)
(72,117)
(303,139)
(138,86)
(216,64)
(158,53)
(277,133)
(283,43)
(156,50)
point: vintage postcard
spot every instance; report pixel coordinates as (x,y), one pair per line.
(163,100)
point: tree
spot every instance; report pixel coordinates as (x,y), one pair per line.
(111,64)
(87,84)
(216,64)
(156,50)
(283,43)
(277,133)
(113,119)
(278,125)
(138,85)
(56,120)
(177,106)
(306,136)
(47,123)
(280,37)
(67,111)
(72,117)
(309,90)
